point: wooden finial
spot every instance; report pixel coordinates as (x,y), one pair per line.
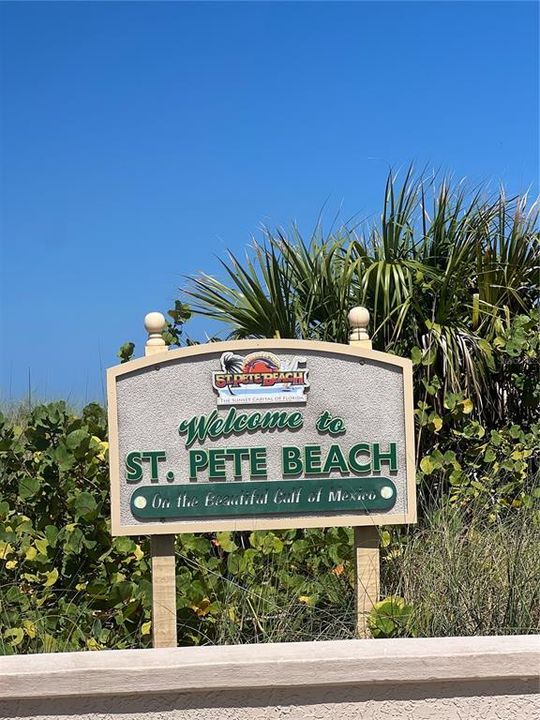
(154,324)
(359,322)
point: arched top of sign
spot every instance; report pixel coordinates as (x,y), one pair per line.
(261,434)
(258,344)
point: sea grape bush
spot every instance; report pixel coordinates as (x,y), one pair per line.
(462,452)
(391,617)
(64,582)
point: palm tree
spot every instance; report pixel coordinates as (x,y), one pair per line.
(442,271)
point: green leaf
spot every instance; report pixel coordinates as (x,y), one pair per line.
(28,486)
(74,541)
(451,459)
(31,553)
(125,353)
(427,465)
(458,478)
(516,432)
(391,618)
(277,545)
(121,591)
(41,545)
(450,400)
(256,539)
(76,438)
(97,590)
(473,429)
(416,356)
(124,545)
(64,457)
(467,406)
(429,356)
(15,636)
(85,505)
(51,533)
(50,644)
(226,542)
(234,563)
(51,578)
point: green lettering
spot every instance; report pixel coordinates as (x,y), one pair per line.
(196,427)
(216,464)
(237,454)
(202,427)
(272,420)
(312,454)
(134,471)
(329,424)
(353,462)
(389,457)
(216,428)
(198,460)
(296,420)
(241,423)
(154,456)
(322,422)
(253,421)
(291,464)
(335,460)
(257,461)
(228,425)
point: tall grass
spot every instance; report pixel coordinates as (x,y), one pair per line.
(462,576)
(465,576)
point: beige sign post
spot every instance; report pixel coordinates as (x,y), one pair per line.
(366,538)
(260,434)
(162,546)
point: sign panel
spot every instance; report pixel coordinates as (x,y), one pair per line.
(261,434)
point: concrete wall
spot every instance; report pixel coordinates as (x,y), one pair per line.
(456,678)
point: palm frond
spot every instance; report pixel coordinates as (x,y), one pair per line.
(443,268)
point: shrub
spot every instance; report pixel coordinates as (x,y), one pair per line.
(65,583)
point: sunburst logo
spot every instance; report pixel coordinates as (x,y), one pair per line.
(260,377)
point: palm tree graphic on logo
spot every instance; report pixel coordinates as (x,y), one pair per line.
(260,377)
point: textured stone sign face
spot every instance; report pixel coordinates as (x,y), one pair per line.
(261,434)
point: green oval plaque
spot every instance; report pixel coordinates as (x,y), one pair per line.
(278,497)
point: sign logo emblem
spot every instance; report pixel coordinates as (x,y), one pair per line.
(260,377)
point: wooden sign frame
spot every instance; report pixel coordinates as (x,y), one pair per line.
(161,356)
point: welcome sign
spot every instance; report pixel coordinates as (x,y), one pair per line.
(261,434)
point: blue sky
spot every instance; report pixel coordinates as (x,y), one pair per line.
(141,140)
